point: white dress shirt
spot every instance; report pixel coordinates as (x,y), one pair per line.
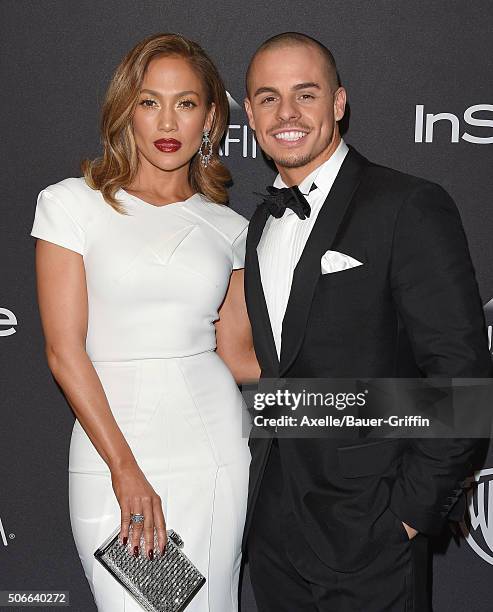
(284,239)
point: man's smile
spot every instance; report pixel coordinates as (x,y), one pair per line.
(290,135)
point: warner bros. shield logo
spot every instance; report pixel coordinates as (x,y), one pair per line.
(478,524)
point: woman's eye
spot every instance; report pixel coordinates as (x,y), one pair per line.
(147,103)
(187,103)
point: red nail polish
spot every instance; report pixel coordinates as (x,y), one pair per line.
(136,551)
(125,540)
(151,555)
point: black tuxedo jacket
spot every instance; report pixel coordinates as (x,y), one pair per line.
(412,310)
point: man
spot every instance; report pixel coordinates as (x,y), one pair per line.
(333,526)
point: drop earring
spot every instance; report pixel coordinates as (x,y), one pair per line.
(205,151)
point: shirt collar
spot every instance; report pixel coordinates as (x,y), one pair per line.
(323,175)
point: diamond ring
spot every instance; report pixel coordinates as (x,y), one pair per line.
(137,518)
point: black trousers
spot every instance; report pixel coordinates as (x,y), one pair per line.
(395,581)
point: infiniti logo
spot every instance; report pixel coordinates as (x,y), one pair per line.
(239,138)
(8,320)
(426,123)
(233,104)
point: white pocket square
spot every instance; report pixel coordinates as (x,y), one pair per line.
(333,261)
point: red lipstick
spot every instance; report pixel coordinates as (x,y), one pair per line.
(167,145)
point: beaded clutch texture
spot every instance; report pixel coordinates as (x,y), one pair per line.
(166,584)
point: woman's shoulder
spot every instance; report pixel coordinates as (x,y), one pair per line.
(75,196)
(72,190)
(64,211)
(225,219)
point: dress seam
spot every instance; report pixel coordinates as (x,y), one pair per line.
(123,362)
(210,541)
(192,397)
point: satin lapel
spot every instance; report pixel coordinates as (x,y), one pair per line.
(307,271)
(255,298)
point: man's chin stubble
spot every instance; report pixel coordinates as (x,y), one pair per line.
(296,161)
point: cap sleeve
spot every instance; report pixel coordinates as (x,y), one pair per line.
(54,223)
(239,249)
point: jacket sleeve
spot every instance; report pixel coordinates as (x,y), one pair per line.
(436,294)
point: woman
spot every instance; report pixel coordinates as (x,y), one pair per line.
(139,275)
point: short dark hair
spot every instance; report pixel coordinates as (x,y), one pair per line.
(297,38)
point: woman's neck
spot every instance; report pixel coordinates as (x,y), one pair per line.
(161,185)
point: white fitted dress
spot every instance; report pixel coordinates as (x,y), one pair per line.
(155,280)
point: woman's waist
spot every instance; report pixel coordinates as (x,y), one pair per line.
(159,372)
(120,343)
(137,357)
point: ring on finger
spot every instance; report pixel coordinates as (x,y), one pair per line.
(137,518)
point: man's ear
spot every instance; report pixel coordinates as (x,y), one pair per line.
(248,109)
(210,117)
(339,103)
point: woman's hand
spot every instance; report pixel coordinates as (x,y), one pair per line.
(136,496)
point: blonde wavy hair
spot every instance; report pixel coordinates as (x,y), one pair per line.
(117,167)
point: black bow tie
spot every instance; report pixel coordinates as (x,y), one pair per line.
(277,200)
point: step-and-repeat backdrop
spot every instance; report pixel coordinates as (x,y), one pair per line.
(418,76)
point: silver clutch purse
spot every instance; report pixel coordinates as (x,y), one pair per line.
(166,584)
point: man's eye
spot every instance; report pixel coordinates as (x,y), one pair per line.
(187,103)
(147,102)
(267,99)
(307,96)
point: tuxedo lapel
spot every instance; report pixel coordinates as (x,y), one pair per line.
(307,271)
(255,298)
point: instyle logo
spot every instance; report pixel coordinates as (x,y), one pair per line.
(7,322)
(474,115)
(239,138)
(478,525)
